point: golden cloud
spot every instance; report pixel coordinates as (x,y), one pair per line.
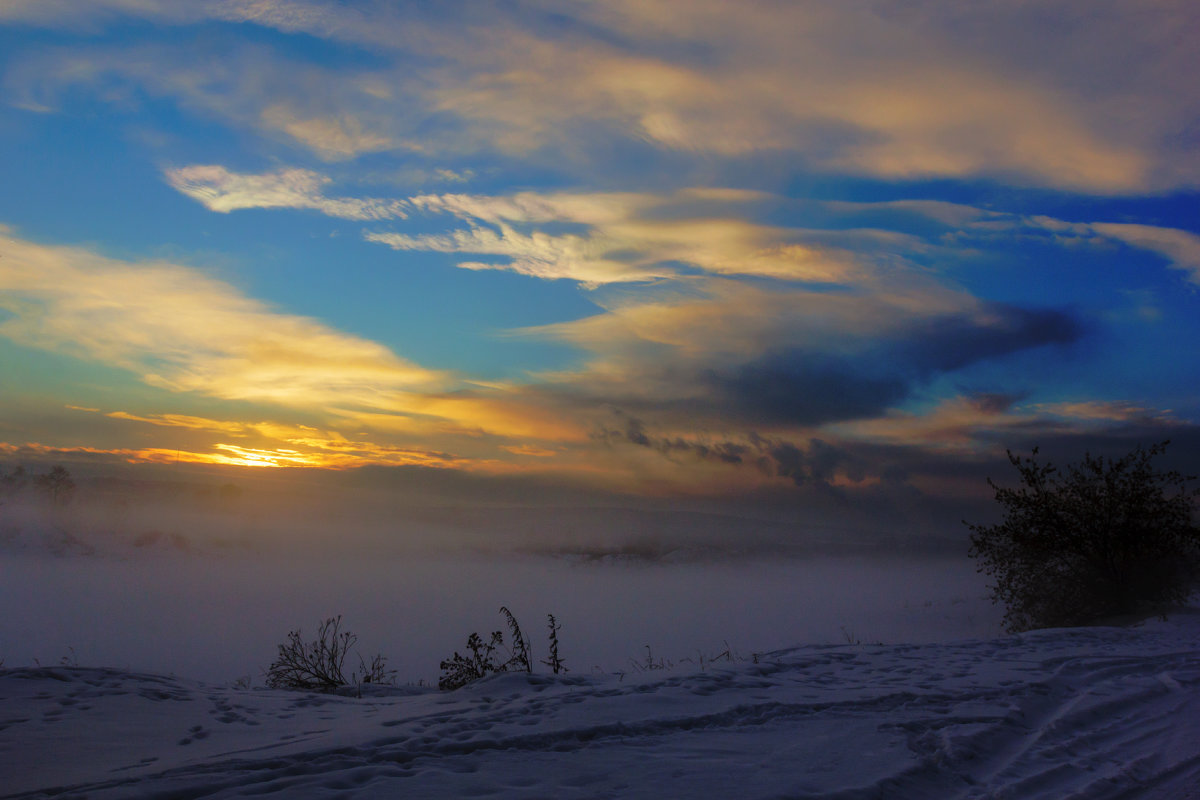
(184,331)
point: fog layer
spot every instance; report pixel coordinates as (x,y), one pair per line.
(206,585)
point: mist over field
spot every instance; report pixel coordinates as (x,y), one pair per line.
(203,579)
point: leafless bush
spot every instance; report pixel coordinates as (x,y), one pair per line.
(375,671)
(319,665)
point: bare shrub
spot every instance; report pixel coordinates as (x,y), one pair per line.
(375,671)
(319,665)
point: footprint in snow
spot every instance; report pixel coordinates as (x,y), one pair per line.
(195,733)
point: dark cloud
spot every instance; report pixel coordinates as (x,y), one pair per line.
(633,431)
(802,387)
(950,342)
(817,464)
(994,402)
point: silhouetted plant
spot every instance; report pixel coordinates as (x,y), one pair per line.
(459,670)
(518,658)
(482,659)
(1103,537)
(650,664)
(728,654)
(319,665)
(554,662)
(375,671)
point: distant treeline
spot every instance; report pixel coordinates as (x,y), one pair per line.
(55,487)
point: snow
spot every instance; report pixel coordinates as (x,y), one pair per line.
(1101,712)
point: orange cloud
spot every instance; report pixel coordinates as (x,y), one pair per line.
(530,450)
(149,455)
(178,421)
(361,455)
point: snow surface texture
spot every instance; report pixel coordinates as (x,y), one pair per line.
(1081,713)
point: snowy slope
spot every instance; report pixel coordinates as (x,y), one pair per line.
(1091,712)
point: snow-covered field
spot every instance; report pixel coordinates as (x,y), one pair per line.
(130,649)
(1085,713)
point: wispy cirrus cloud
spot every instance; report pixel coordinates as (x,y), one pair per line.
(1180,248)
(224,191)
(614,237)
(637,237)
(626,237)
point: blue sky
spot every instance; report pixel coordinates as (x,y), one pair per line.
(657,247)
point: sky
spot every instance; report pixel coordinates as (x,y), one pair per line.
(841,253)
